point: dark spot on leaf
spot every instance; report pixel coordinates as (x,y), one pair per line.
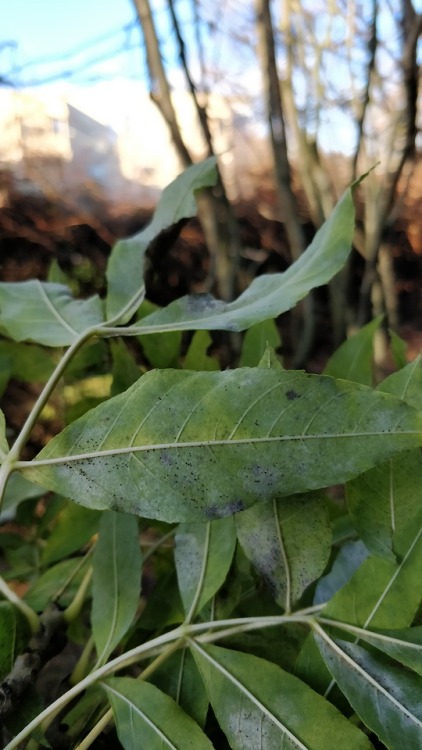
(292,395)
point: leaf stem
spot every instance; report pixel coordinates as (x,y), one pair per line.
(23,607)
(46,393)
(148,649)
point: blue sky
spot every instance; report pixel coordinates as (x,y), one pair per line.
(49,28)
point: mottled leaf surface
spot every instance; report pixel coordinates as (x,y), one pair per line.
(186,446)
(288,542)
(387,699)
(203,555)
(259,706)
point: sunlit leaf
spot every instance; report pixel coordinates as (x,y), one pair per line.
(387,699)
(4,446)
(203,556)
(116,581)
(398,350)
(45,313)
(141,710)
(268,295)
(259,705)
(288,541)
(183,446)
(403,645)
(125,269)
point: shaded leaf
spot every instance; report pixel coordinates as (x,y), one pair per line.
(259,705)
(161,349)
(288,541)
(28,362)
(116,581)
(183,446)
(351,555)
(125,371)
(382,593)
(203,556)
(125,269)
(256,341)
(387,699)
(45,313)
(141,710)
(398,350)
(59,583)
(353,359)
(196,356)
(385,501)
(268,295)
(179,677)
(74,528)
(4,446)
(14,633)
(19,489)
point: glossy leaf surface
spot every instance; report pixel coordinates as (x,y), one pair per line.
(197,446)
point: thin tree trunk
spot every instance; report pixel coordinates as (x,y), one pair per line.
(282,171)
(215,231)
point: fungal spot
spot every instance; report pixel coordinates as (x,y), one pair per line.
(292,395)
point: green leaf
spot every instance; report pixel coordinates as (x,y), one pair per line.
(351,555)
(203,555)
(19,489)
(387,699)
(256,341)
(268,295)
(183,446)
(28,362)
(125,269)
(116,583)
(403,645)
(13,636)
(288,541)
(196,356)
(382,593)
(59,583)
(161,349)
(406,383)
(385,501)
(258,705)
(4,446)
(125,370)
(353,359)
(385,504)
(179,677)
(83,524)
(141,710)
(6,368)
(45,313)
(398,350)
